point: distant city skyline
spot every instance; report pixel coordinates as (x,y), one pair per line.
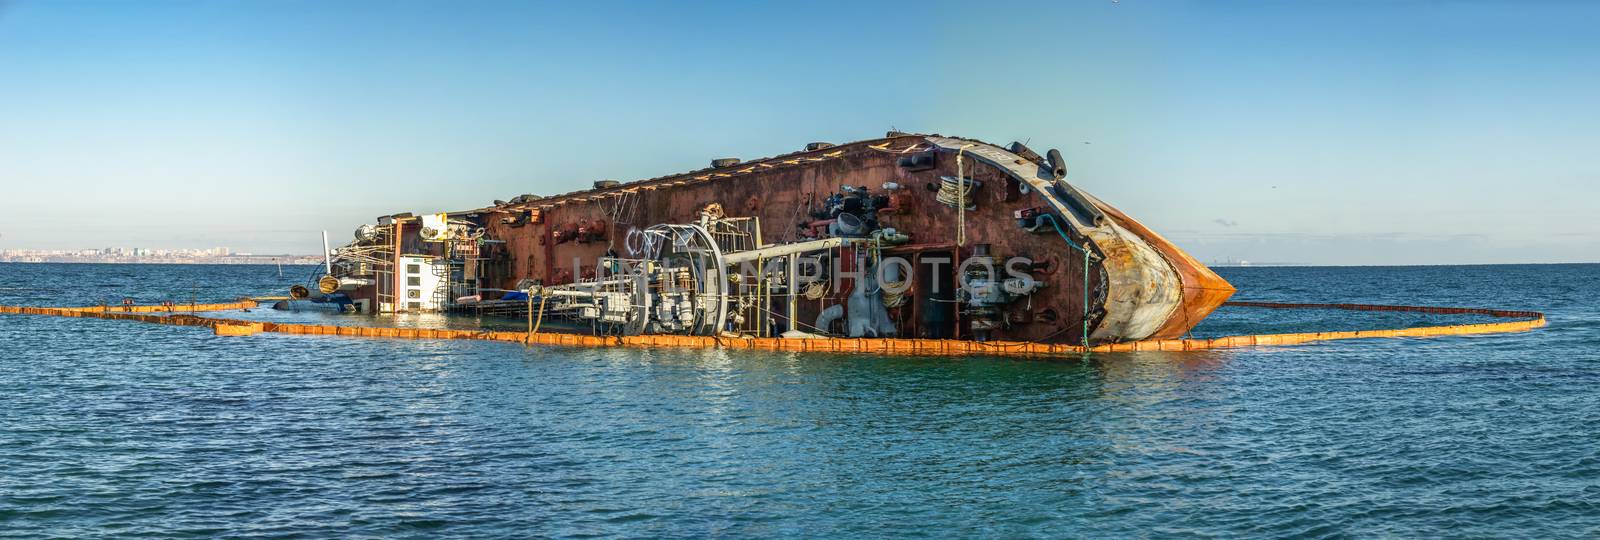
(136,250)
(1318,133)
(153,255)
(133,251)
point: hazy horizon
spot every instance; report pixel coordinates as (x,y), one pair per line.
(1314,134)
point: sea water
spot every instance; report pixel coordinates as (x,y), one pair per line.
(120,429)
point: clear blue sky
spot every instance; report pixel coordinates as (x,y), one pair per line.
(1309,132)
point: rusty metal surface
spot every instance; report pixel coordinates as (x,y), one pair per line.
(781,192)
(1140,286)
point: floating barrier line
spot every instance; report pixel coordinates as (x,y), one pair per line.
(166,308)
(177,315)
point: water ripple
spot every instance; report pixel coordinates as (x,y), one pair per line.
(117,429)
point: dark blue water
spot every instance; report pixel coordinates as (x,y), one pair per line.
(121,429)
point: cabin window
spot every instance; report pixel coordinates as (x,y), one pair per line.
(413,269)
(414,281)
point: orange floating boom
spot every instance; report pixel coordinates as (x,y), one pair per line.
(1523,321)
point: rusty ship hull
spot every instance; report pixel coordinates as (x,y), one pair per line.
(891,227)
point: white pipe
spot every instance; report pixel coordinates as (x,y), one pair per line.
(327,254)
(348,284)
(784,249)
(793,285)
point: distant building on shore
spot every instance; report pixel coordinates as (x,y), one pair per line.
(218,255)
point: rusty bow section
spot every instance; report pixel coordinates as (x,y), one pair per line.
(1201,290)
(1153,289)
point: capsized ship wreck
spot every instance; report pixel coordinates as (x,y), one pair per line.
(912,236)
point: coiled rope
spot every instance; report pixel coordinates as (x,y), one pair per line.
(893,299)
(953,191)
(816,290)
